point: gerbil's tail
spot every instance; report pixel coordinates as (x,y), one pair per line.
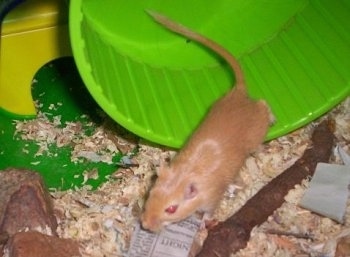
(221,51)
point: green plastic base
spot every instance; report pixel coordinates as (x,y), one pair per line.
(56,82)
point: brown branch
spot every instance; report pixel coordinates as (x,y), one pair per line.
(233,234)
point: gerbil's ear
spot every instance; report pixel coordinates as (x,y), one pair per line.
(191,191)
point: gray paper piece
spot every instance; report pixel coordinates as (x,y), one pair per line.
(174,240)
(328,191)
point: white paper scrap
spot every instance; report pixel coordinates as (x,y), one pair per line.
(328,191)
(342,154)
(175,240)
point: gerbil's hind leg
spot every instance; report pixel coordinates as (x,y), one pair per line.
(272,118)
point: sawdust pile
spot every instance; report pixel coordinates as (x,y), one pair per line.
(103,219)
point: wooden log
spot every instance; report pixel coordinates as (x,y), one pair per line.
(35,244)
(234,233)
(343,247)
(25,204)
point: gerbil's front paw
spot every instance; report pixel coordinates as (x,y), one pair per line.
(209,224)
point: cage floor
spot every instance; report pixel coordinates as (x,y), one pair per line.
(63,99)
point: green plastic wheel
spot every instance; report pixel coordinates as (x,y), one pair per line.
(294,53)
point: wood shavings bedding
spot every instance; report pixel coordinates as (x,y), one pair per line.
(103,219)
(95,146)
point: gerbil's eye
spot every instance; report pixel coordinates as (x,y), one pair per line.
(171,209)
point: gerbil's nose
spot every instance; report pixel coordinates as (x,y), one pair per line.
(150,223)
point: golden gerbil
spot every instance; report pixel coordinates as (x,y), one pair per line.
(197,177)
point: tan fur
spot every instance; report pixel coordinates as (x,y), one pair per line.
(234,127)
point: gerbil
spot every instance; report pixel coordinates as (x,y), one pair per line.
(197,177)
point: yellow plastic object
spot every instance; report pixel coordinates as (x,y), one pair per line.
(33,34)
